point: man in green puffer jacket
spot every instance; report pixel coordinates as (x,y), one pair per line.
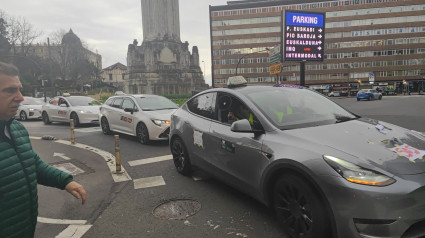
(20,167)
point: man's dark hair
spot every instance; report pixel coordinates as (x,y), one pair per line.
(8,69)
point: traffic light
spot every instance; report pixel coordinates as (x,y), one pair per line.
(404,82)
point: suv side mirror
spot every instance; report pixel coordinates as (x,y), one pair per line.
(244,126)
(131,110)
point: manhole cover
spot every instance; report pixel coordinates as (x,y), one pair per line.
(177,209)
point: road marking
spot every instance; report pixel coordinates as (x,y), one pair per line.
(61,221)
(69,168)
(88,130)
(74,231)
(150,160)
(148,182)
(63,156)
(108,157)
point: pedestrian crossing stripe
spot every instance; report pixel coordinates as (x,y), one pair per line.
(150,160)
(148,182)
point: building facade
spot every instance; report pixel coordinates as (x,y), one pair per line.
(56,51)
(162,64)
(114,75)
(383,38)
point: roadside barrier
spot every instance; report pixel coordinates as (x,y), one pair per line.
(117,154)
(72,131)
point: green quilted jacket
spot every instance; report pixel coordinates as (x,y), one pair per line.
(20,171)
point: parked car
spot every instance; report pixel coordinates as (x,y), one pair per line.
(30,108)
(389,91)
(82,109)
(334,94)
(145,116)
(368,94)
(325,171)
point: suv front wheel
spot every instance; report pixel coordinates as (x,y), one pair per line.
(142,133)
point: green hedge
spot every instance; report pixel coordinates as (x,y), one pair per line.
(177,96)
(180,102)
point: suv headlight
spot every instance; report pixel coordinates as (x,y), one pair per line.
(160,122)
(357,174)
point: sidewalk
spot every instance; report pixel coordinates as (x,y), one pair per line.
(60,212)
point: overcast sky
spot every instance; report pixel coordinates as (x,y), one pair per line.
(109,26)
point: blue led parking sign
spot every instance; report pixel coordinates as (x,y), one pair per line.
(305,19)
(303,36)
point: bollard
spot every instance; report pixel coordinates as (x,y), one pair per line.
(72,131)
(117,154)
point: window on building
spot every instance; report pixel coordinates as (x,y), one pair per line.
(110,76)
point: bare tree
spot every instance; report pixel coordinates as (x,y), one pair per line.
(22,33)
(56,36)
(19,33)
(72,57)
(4,41)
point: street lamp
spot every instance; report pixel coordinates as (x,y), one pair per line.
(239,61)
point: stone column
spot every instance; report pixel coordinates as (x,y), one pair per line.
(160,20)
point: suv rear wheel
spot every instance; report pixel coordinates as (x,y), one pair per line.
(105,126)
(46,120)
(180,157)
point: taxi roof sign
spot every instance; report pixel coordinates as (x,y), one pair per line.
(235,81)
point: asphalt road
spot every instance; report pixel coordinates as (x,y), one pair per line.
(405,111)
(123,209)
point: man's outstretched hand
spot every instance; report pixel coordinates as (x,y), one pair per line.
(77,191)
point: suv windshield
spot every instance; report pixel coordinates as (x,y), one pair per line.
(289,108)
(154,103)
(82,101)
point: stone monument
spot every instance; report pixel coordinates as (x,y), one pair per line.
(162,64)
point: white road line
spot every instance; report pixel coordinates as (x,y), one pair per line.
(87,130)
(148,182)
(61,221)
(108,157)
(63,156)
(74,231)
(150,160)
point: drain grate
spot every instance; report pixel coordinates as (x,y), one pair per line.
(177,209)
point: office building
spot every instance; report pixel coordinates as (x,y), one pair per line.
(379,41)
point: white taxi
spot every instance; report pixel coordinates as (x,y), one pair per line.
(82,109)
(145,116)
(30,108)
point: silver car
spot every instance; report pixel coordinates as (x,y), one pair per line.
(82,109)
(145,116)
(325,172)
(30,108)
